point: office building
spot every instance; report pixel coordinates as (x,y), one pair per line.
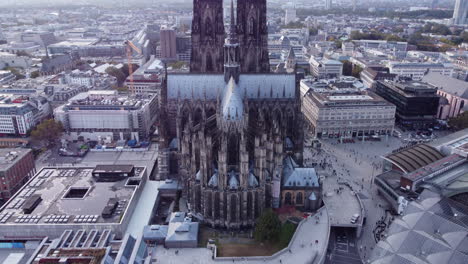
(147,78)
(16,168)
(460,12)
(102,114)
(183,47)
(168,44)
(6,77)
(15,61)
(382,44)
(370,75)
(416,102)
(348,48)
(21,113)
(87,48)
(324,68)
(328,4)
(346,113)
(417,70)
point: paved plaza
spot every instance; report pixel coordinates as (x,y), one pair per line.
(355,163)
(308,245)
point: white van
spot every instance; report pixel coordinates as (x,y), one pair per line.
(354,218)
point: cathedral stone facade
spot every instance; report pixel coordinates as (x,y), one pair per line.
(207,36)
(229,129)
(253,35)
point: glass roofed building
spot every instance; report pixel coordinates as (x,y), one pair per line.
(434,229)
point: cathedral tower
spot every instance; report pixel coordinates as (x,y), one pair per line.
(253,35)
(232,51)
(207,36)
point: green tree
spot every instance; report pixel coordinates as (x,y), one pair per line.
(394,38)
(177,65)
(293,25)
(15,72)
(459,122)
(338,43)
(464,36)
(313,31)
(267,226)
(23,53)
(435,28)
(357,71)
(34,74)
(49,131)
(286,233)
(117,73)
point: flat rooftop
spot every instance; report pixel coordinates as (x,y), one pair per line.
(69,196)
(99,99)
(438,166)
(349,97)
(75,42)
(412,88)
(9,156)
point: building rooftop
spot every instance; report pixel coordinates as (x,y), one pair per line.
(210,86)
(433,230)
(447,84)
(413,158)
(68,195)
(437,167)
(106,100)
(9,156)
(75,42)
(412,88)
(113,168)
(416,65)
(351,99)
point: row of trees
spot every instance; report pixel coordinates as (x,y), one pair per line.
(356,35)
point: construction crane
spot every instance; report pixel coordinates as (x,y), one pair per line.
(130,48)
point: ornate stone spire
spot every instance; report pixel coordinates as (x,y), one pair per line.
(232,51)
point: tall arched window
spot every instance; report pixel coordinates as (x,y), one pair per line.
(233,150)
(209,62)
(251,26)
(208,27)
(288,199)
(233,208)
(299,199)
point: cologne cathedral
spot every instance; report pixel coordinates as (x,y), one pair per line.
(229,123)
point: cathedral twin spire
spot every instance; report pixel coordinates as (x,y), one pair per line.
(232,51)
(249,33)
